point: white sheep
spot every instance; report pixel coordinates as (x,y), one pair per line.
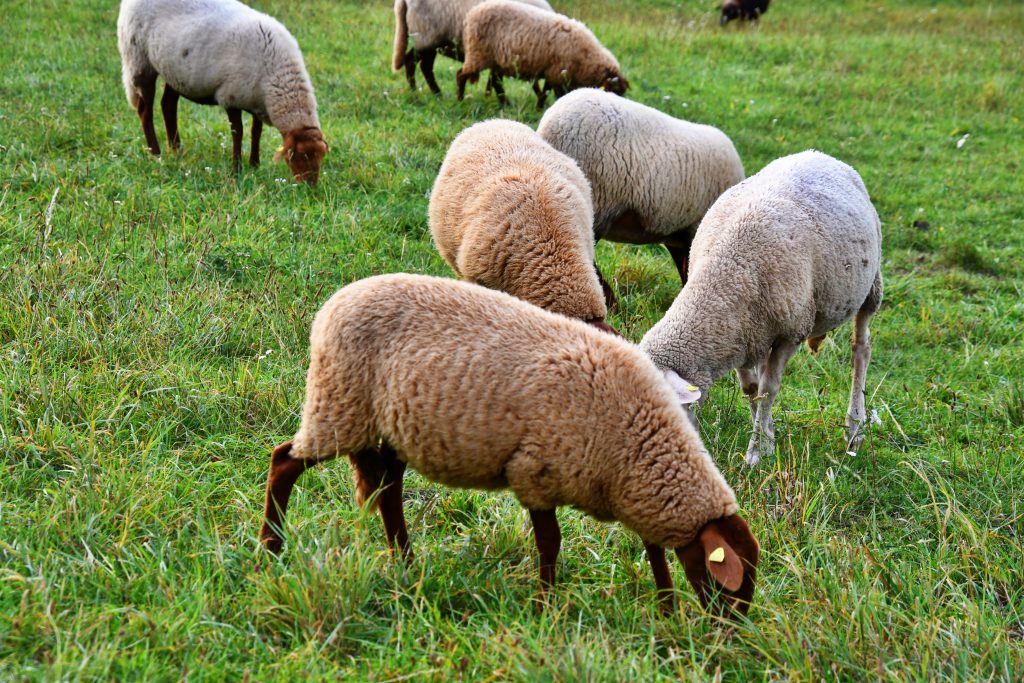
(510,38)
(435,27)
(510,212)
(474,388)
(226,53)
(653,176)
(785,256)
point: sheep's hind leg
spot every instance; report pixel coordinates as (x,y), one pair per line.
(147,91)
(763,438)
(662,576)
(235,119)
(460,80)
(378,470)
(254,147)
(410,68)
(548,537)
(856,414)
(427,58)
(284,472)
(169,108)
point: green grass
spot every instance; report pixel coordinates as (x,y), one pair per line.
(153,325)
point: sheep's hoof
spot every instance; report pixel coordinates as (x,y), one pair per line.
(753,457)
(854,434)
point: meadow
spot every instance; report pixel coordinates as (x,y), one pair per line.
(154,317)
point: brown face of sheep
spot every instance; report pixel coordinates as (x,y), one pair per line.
(303,151)
(615,83)
(721,565)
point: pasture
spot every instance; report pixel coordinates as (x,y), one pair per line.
(154,318)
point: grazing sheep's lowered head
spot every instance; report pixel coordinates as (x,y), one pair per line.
(303,150)
(742,9)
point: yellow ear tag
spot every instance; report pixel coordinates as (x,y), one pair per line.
(717,555)
(692,388)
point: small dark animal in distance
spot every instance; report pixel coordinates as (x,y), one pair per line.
(743,9)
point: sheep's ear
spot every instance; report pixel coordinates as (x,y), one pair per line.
(684,390)
(722,562)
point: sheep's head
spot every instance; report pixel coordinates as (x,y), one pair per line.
(731,9)
(615,83)
(303,150)
(721,565)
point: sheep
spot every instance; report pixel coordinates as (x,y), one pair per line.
(653,176)
(785,256)
(474,388)
(742,9)
(509,212)
(436,26)
(514,39)
(225,53)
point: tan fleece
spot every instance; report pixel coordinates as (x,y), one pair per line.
(511,213)
(530,43)
(474,388)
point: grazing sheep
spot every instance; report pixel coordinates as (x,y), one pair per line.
(653,176)
(511,213)
(221,52)
(514,39)
(474,388)
(743,9)
(785,256)
(436,27)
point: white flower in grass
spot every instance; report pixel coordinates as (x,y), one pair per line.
(960,143)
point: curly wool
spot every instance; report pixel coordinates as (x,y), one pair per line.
(218,51)
(475,388)
(665,170)
(509,212)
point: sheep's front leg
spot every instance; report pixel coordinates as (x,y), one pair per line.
(284,472)
(748,379)
(254,147)
(147,92)
(662,576)
(427,58)
(460,80)
(548,537)
(235,119)
(855,414)
(763,438)
(169,108)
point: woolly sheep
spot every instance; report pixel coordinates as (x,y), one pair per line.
(514,39)
(474,388)
(226,53)
(743,9)
(787,255)
(653,176)
(436,26)
(511,213)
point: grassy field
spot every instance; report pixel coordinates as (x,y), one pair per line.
(154,316)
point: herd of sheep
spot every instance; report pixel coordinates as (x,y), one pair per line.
(513,378)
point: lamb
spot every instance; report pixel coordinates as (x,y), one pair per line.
(511,213)
(225,53)
(785,256)
(653,176)
(743,9)
(436,26)
(513,39)
(474,388)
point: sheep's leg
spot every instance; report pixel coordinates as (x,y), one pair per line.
(855,414)
(609,294)
(541,93)
(284,472)
(235,119)
(427,58)
(147,91)
(254,147)
(748,379)
(662,576)
(169,108)
(410,68)
(549,541)
(680,256)
(460,80)
(763,438)
(379,471)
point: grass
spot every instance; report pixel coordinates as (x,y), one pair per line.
(153,324)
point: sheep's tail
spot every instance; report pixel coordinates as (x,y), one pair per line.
(129,88)
(401,36)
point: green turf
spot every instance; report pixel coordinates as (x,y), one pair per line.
(153,325)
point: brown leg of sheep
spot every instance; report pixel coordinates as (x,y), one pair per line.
(410,68)
(235,119)
(147,91)
(254,147)
(541,93)
(609,294)
(427,58)
(662,576)
(499,88)
(460,80)
(169,108)
(679,257)
(284,472)
(379,471)
(549,541)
